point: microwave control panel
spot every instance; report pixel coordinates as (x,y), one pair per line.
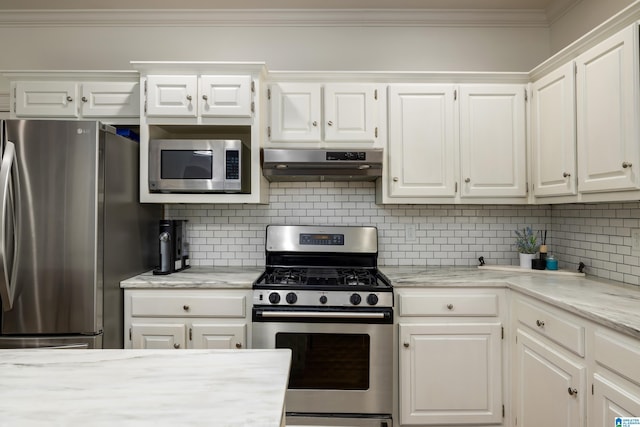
(232,164)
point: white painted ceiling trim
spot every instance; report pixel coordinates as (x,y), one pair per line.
(292,17)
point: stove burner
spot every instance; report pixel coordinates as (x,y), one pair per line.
(320,277)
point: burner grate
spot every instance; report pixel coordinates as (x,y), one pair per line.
(320,277)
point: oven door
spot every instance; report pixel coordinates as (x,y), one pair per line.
(341,359)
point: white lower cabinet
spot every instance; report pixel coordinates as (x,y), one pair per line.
(549,369)
(190,318)
(450,359)
(550,385)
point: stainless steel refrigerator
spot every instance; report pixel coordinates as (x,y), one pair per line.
(71,228)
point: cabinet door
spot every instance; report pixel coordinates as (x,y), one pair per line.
(549,386)
(450,373)
(117,99)
(611,400)
(225,96)
(607,120)
(158,335)
(295,112)
(172,96)
(422,140)
(46,99)
(492,140)
(553,133)
(218,336)
(350,112)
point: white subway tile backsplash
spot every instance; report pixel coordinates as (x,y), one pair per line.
(597,234)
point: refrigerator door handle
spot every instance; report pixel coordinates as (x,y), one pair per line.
(8,273)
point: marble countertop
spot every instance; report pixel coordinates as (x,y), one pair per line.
(197,277)
(612,305)
(143,387)
(609,304)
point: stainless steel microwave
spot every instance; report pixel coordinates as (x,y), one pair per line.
(198,166)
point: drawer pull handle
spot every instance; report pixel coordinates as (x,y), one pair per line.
(185,307)
(626,165)
(540,323)
(176,345)
(238,345)
(566,174)
(450,306)
(572,391)
(406,345)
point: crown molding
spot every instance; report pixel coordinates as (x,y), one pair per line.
(275,18)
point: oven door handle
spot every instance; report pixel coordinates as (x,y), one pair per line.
(321,315)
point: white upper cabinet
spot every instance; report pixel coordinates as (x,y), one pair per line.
(228,96)
(104,99)
(553,135)
(349,112)
(493,140)
(169,96)
(422,147)
(296,113)
(329,112)
(191,96)
(76,99)
(607,115)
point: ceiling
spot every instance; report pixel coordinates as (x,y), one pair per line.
(282,4)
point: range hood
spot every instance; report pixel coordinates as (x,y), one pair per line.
(290,164)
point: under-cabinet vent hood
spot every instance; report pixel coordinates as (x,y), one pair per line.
(289,164)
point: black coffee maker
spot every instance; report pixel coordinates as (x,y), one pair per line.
(173,246)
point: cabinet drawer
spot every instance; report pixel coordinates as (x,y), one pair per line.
(558,328)
(618,353)
(188,305)
(469,304)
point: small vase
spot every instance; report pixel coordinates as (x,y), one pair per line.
(525,260)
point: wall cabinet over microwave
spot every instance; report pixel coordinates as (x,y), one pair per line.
(199,96)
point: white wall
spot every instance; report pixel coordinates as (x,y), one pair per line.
(287,47)
(584,16)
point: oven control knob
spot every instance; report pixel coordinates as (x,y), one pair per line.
(274,298)
(355,299)
(323,299)
(372,299)
(291,298)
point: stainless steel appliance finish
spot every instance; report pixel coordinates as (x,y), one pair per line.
(322,296)
(72,229)
(198,166)
(289,164)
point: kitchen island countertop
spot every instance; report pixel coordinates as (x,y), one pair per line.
(143,387)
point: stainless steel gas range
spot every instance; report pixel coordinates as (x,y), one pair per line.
(323,297)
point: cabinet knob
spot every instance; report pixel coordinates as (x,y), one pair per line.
(189,98)
(467,180)
(450,306)
(84,99)
(186,307)
(566,174)
(540,323)
(238,345)
(395,179)
(314,123)
(330,123)
(406,345)
(572,391)
(626,165)
(205,97)
(69,99)
(176,345)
